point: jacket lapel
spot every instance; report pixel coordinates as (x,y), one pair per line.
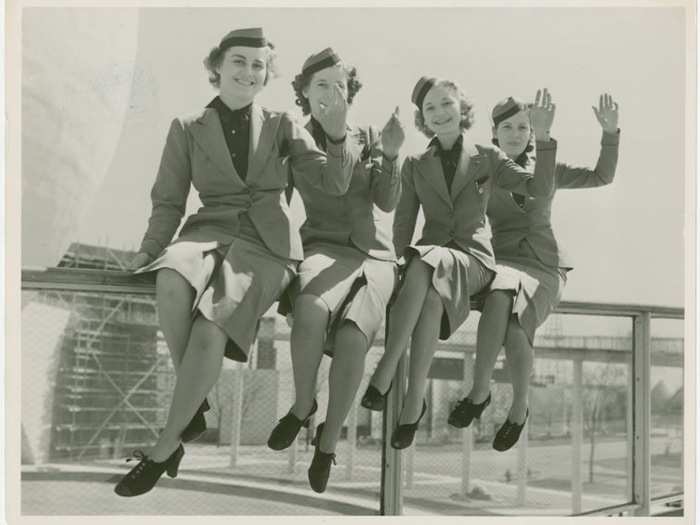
(430,168)
(263,132)
(467,167)
(209,134)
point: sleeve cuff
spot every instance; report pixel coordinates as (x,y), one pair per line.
(543,145)
(610,139)
(150,247)
(333,141)
(335,149)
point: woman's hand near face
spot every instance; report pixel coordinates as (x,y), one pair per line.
(333,114)
(393,136)
(607,113)
(542,114)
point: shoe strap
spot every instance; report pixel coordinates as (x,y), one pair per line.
(137,455)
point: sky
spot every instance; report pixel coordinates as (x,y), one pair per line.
(627,239)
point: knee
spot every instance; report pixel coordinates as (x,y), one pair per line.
(172,286)
(498,299)
(310,313)
(207,338)
(350,341)
(417,272)
(516,341)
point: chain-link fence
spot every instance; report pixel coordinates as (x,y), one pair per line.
(97,382)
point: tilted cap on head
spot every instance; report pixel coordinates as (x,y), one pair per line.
(249,37)
(319,61)
(424,85)
(505,109)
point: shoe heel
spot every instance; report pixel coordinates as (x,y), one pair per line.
(174,462)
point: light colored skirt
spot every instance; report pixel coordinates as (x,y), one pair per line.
(354,286)
(234,284)
(536,289)
(457,276)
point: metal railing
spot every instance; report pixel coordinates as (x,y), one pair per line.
(640,440)
(391,494)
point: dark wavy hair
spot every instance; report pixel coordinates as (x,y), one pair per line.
(466,108)
(216,56)
(302,81)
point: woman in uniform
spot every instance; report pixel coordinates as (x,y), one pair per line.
(453,259)
(349,270)
(532,267)
(240,250)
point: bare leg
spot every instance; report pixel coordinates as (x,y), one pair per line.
(199,370)
(489,340)
(307,338)
(174,296)
(423,345)
(346,371)
(520,357)
(403,317)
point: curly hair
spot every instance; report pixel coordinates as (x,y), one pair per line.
(466,109)
(302,81)
(216,56)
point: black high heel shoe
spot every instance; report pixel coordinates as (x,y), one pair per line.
(466,411)
(285,432)
(374,399)
(320,468)
(508,434)
(403,435)
(147,472)
(197,425)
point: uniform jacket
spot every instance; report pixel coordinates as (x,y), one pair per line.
(359,216)
(511,225)
(196,154)
(458,214)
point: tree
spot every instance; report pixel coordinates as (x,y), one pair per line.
(601,382)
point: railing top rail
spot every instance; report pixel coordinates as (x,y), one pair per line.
(114,281)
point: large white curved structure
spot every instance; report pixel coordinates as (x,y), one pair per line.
(78,66)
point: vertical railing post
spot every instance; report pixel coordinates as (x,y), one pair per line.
(577,437)
(352,440)
(237,414)
(641,349)
(629,492)
(292,457)
(467,433)
(410,465)
(522,465)
(391,501)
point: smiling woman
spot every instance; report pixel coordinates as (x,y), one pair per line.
(453,260)
(235,256)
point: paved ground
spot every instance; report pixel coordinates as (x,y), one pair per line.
(262,483)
